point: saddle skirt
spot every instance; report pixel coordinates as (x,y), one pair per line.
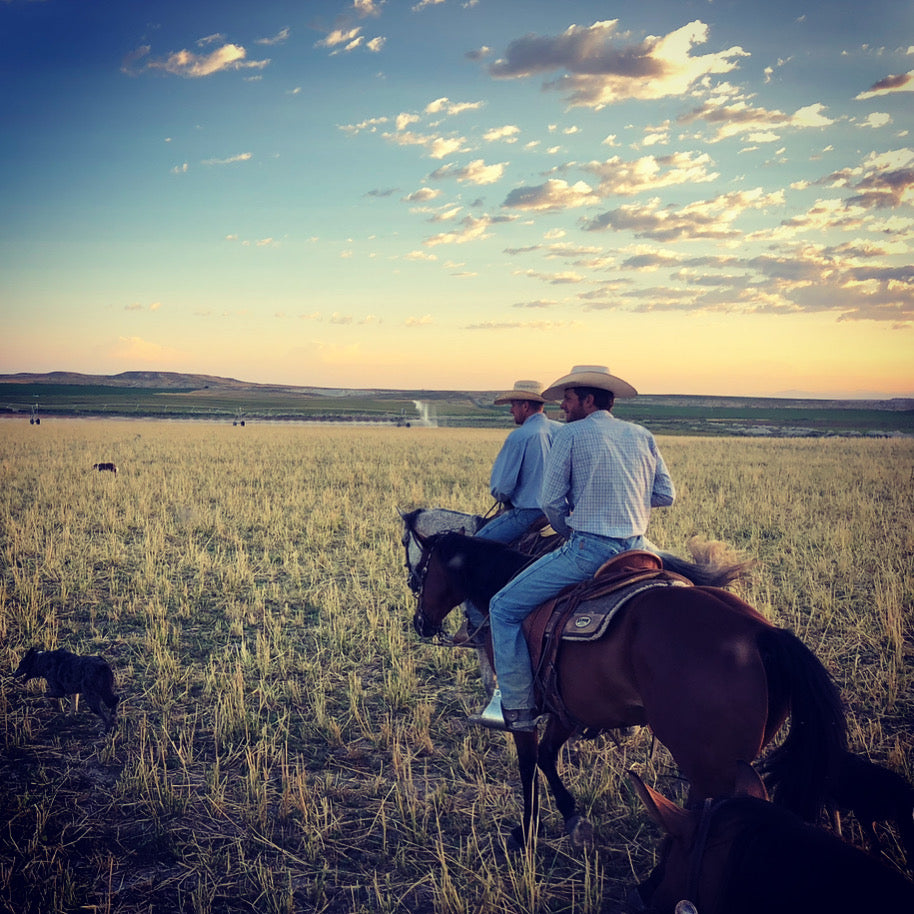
(585,611)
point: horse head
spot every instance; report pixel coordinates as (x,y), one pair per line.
(695,851)
(422,523)
(439,585)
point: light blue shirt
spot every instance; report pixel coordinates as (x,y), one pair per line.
(603,476)
(517,474)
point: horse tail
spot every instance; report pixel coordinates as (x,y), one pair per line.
(714,565)
(799,772)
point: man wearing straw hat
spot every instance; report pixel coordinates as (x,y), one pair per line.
(517,474)
(516,479)
(601,479)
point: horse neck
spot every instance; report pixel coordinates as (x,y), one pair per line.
(489,570)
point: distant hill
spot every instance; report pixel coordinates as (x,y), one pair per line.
(173,395)
(174,380)
(161,380)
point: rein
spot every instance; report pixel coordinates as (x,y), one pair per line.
(701,843)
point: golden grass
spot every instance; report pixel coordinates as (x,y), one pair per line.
(285,741)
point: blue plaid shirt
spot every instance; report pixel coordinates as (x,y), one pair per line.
(603,476)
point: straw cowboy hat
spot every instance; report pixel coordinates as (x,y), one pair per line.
(523,390)
(590,376)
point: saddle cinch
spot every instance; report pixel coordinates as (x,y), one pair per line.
(584,612)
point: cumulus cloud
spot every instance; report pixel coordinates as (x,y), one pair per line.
(437,147)
(343,40)
(882,180)
(708,219)
(470,229)
(627,178)
(423,195)
(446,106)
(876,119)
(370,124)
(192,65)
(507,134)
(368,7)
(759,124)
(902,82)
(603,65)
(552,195)
(475,172)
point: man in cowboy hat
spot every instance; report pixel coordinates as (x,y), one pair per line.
(516,479)
(517,474)
(601,479)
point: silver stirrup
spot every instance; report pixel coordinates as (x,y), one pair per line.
(492,717)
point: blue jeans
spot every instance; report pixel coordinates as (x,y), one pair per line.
(505,528)
(577,560)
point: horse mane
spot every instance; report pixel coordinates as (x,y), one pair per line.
(482,566)
(778,862)
(715,564)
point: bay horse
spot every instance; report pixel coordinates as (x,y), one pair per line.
(744,855)
(711,677)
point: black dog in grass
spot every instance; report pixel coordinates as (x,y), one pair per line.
(68,674)
(874,794)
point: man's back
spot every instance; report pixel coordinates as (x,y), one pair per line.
(607,474)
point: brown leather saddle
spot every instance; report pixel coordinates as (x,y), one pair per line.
(585,611)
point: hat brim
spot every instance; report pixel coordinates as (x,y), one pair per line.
(510,395)
(598,379)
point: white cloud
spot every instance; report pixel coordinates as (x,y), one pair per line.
(476,172)
(242,157)
(508,133)
(877,119)
(279,38)
(902,82)
(471,229)
(188,64)
(554,194)
(627,178)
(603,66)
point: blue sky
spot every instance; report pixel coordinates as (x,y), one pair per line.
(708,197)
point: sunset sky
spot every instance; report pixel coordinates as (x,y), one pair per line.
(708,197)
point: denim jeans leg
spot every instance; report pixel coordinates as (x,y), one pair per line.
(508,526)
(575,561)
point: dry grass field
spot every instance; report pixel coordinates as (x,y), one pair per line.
(285,742)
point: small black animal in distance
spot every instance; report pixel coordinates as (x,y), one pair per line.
(69,674)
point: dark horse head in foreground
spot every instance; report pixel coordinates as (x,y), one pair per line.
(744,855)
(706,672)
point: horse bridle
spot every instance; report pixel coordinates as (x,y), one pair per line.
(416,578)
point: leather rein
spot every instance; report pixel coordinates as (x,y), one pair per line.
(708,809)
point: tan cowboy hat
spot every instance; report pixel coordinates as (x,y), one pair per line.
(523,390)
(590,376)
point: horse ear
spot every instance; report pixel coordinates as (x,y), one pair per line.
(748,782)
(671,818)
